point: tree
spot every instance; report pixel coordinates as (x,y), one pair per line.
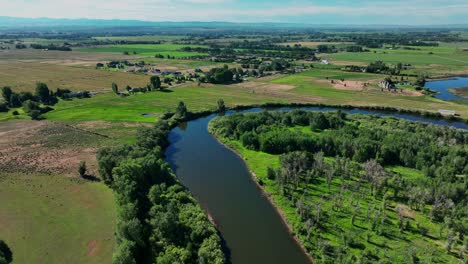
(6,94)
(319,122)
(115,88)
(155,82)
(42,92)
(6,256)
(82,169)
(124,253)
(3,107)
(181,111)
(221,106)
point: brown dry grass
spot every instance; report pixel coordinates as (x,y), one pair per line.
(22,76)
(47,147)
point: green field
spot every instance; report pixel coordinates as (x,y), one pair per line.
(445,59)
(148,50)
(306,83)
(54,219)
(306,88)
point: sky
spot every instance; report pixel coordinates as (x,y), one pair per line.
(362,12)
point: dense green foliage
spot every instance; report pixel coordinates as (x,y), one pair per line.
(333,167)
(158,220)
(6,256)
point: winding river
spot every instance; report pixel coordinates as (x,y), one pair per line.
(252,229)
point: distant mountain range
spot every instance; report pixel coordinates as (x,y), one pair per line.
(30,23)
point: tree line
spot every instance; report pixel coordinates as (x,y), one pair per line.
(38,103)
(158,220)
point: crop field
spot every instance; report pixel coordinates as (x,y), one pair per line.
(79,222)
(148,50)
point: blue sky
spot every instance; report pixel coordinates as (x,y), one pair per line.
(403,12)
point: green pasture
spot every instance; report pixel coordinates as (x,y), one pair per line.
(147,50)
(444,55)
(54,219)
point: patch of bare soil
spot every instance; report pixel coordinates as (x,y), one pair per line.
(348,85)
(93,248)
(344,63)
(361,86)
(46,147)
(266,87)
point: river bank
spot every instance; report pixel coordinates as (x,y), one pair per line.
(269,196)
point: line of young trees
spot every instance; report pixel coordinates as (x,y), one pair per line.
(158,220)
(51,47)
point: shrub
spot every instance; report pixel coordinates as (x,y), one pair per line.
(3,107)
(82,169)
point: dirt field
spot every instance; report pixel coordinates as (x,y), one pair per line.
(361,86)
(47,147)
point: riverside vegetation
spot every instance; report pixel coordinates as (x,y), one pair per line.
(158,220)
(359,188)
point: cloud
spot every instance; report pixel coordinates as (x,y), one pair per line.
(374,12)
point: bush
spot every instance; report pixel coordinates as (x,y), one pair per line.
(3,107)
(6,256)
(82,169)
(35,114)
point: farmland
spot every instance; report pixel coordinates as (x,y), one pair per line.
(149,50)
(79,226)
(78,217)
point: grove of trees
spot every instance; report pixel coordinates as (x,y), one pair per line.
(342,169)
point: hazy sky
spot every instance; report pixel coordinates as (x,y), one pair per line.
(414,12)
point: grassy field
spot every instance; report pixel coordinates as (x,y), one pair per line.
(140,38)
(308,83)
(397,246)
(22,76)
(438,61)
(148,50)
(54,219)
(305,87)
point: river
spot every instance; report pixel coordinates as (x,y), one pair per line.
(219,180)
(443,86)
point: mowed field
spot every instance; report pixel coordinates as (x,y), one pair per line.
(148,50)
(55,219)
